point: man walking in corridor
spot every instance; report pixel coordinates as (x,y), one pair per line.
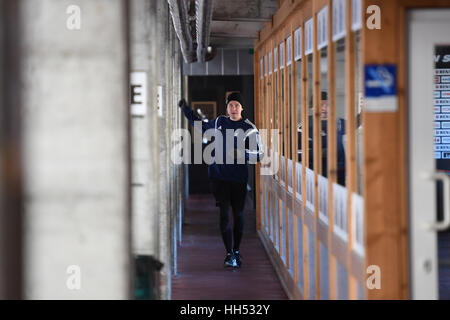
(229,178)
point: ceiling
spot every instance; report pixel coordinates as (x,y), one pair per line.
(235,23)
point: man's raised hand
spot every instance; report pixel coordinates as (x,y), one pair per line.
(182,103)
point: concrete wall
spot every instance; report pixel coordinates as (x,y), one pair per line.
(163,78)
(99,184)
(76,150)
(145,165)
(157,183)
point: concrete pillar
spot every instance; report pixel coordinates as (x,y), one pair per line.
(177,169)
(162,42)
(178,184)
(145,135)
(145,165)
(169,71)
(76,149)
(154,50)
(180,189)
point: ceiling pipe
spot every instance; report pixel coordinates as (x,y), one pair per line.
(204,11)
(180,18)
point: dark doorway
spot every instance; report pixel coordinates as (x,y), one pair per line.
(214,88)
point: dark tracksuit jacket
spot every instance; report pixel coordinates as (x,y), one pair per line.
(231,172)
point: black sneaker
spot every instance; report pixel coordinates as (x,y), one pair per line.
(237,255)
(230,261)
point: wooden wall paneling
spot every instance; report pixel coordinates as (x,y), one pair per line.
(304,162)
(278,107)
(294,82)
(273,209)
(276,212)
(285,278)
(263,88)
(294,150)
(384,233)
(402,152)
(289,206)
(401,37)
(257,108)
(316,143)
(339,248)
(271,127)
(350,127)
(272,88)
(264,126)
(282,195)
(319,4)
(404,4)
(286,141)
(403,137)
(331,146)
(269,204)
(284,110)
(266,85)
(280,2)
(383,167)
(264,107)
(297,18)
(263,208)
(281,140)
(291,135)
(357,268)
(289,11)
(267,90)
(322,233)
(309,218)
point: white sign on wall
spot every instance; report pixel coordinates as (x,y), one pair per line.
(270,62)
(356,15)
(261,68)
(282,55)
(323,198)
(340,211)
(138,93)
(358,223)
(299,173)
(289,51)
(298,44)
(265,66)
(322,28)
(339,19)
(310,189)
(309,37)
(275,59)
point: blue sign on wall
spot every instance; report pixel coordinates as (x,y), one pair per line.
(381,88)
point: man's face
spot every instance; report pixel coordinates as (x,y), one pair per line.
(234,110)
(324,109)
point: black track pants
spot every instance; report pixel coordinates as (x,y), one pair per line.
(232,194)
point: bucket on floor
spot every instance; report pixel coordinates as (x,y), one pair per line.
(146,282)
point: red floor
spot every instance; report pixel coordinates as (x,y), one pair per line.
(444,265)
(201,275)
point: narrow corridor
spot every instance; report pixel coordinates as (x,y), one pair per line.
(116,115)
(201,275)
